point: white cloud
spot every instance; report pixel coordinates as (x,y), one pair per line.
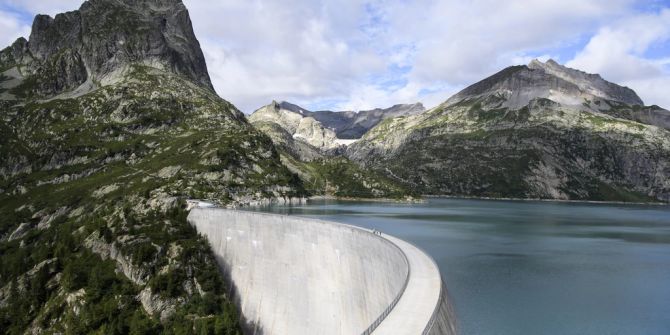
(16,18)
(298,50)
(618,51)
(461,41)
(653,91)
(48,7)
(306,50)
(366,97)
(12,28)
(359,54)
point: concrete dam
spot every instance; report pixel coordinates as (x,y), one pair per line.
(292,275)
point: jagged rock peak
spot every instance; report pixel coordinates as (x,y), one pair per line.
(104,36)
(591,83)
(293,108)
(518,85)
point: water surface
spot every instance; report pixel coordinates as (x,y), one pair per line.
(514,267)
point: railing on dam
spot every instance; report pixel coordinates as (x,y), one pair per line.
(393,303)
(448,326)
(433,317)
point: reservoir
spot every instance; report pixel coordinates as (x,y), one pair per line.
(525,267)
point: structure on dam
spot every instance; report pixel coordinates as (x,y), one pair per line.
(292,275)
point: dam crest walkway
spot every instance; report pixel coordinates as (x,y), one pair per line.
(415,310)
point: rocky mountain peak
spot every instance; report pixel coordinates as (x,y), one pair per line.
(518,85)
(293,108)
(592,84)
(92,44)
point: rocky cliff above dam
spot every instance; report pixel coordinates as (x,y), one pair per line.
(88,47)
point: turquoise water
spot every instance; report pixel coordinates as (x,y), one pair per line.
(515,267)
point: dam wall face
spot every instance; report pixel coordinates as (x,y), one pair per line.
(443,320)
(295,275)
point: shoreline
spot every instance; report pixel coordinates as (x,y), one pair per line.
(406,200)
(605,202)
(424,198)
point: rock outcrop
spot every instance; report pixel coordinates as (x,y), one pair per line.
(90,46)
(516,86)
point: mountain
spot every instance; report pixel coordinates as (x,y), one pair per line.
(324,129)
(82,49)
(108,121)
(296,125)
(536,131)
(518,85)
(309,146)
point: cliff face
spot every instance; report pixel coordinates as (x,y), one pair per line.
(92,44)
(537,131)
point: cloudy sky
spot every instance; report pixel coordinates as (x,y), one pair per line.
(361,54)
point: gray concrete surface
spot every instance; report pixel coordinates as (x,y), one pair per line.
(294,275)
(424,307)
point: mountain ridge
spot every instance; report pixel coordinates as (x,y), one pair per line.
(540,130)
(520,84)
(330,126)
(523,133)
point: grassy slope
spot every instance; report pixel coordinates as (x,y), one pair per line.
(340,177)
(470,150)
(109,169)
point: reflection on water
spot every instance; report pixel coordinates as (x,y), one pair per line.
(516,267)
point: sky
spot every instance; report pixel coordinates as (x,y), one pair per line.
(363,54)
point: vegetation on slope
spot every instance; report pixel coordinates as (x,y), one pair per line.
(330,173)
(543,150)
(52,281)
(94,237)
(340,177)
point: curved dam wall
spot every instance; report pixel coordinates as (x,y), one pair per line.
(443,320)
(294,275)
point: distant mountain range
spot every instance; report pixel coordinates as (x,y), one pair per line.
(312,145)
(352,125)
(323,129)
(540,130)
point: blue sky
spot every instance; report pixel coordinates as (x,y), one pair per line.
(361,54)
